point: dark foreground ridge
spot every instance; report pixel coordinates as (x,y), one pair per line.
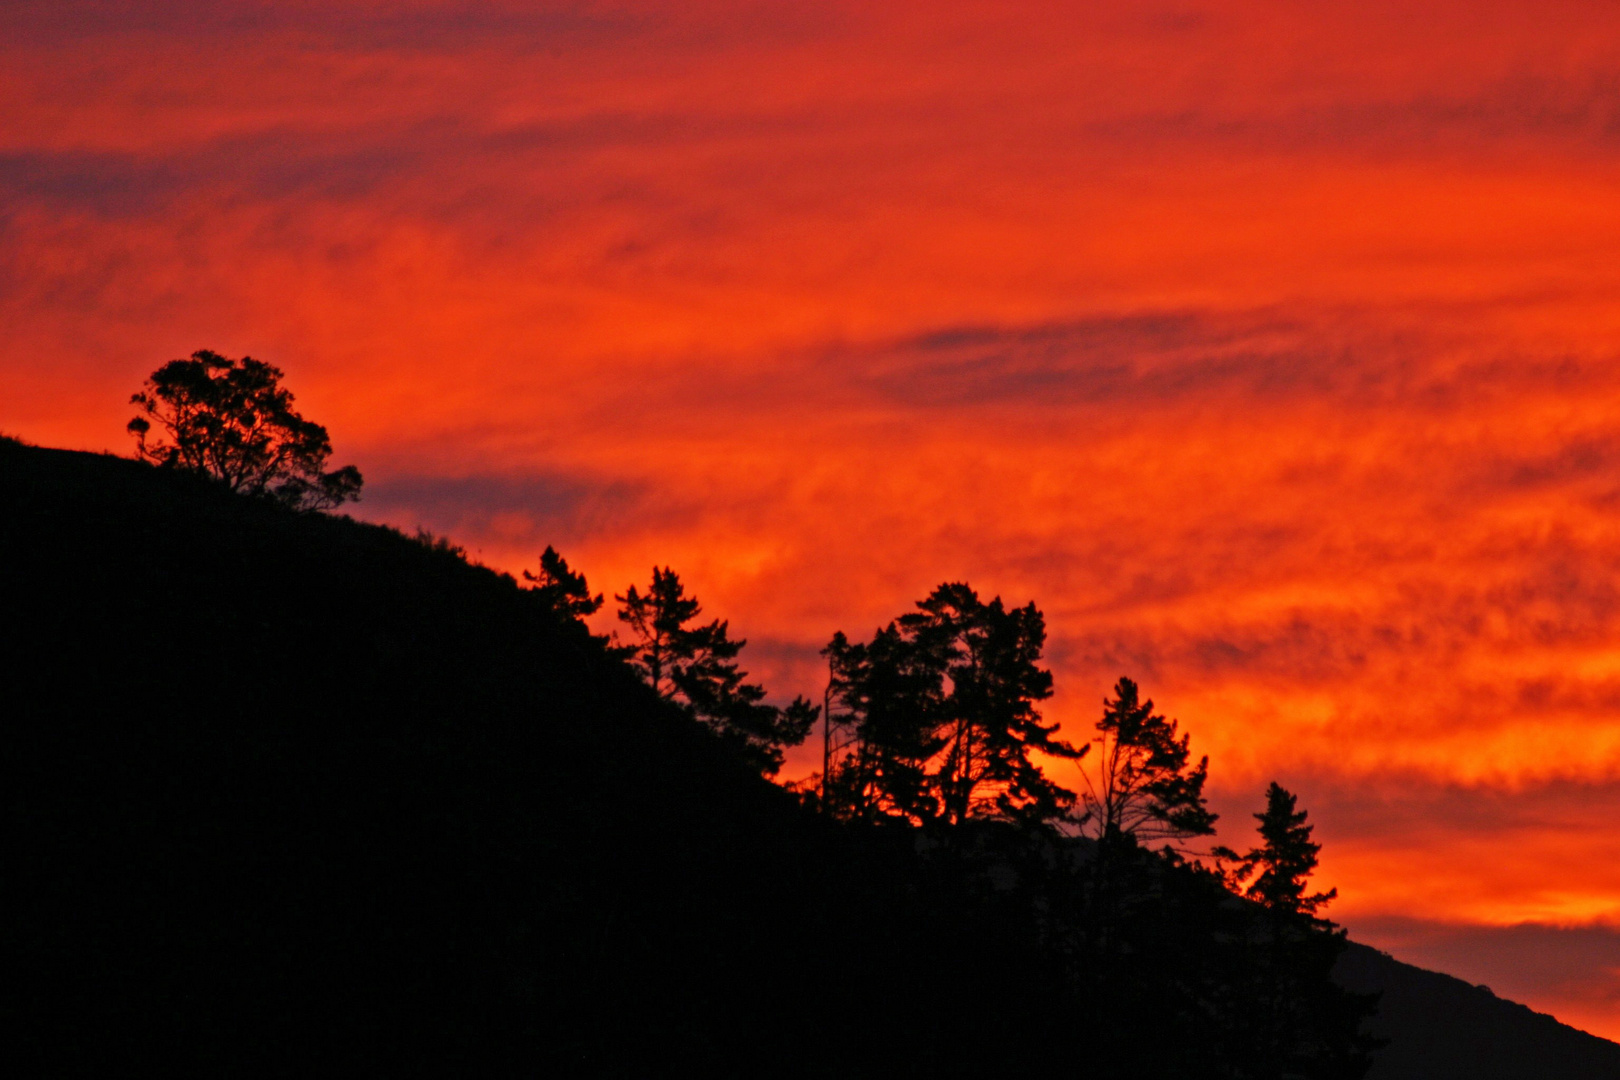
(1440,1026)
(286,790)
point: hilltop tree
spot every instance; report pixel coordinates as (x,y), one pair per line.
(657,619)
(562,588)
(232,420)
(991,723)
(884,700)
(1274,874)
(696,667)
(1298,1021)
(737,712)
(942,710)
(1142,786)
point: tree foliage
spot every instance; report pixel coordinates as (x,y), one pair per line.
(884,700)
(1275,873)
(233,420)
(696,667)
(661,641)
(562,588)
(1141,785)
(940,719)
(1298,1021)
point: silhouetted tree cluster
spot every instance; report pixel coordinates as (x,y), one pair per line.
(1154,934)
(936,717)
(934,722)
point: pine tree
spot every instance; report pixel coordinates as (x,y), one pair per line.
(696,667)
(1300,1022)
(1142,786)
(991,723)
(884,700)
(1284,860)
(658,620)
(942,706)
(561,588)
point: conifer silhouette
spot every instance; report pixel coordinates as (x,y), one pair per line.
(1284,860)
(1299,1022)
(562,588)
(696,667)
(884,701)
(1141,785)
(940,715)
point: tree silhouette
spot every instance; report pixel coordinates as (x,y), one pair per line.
(1298,1022)
(563,589)
(992,661)
(884,701)
(233,420)
(1284,860)
(940,709)
(1141,785)
(658,620)
(696,667)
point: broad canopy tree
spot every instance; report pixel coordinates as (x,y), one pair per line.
(939,716)
(696,667)
(232,420)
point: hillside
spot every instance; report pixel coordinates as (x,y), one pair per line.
(293,790)
(288,789)
(1443,1028)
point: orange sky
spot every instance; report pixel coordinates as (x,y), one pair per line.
(1271,348)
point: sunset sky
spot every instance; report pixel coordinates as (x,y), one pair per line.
(1273,349)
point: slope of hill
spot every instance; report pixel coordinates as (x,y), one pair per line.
(286,789)
(293,791)
(1442,1028)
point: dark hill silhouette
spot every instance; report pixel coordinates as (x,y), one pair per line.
(285,790)
(1442,1028)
